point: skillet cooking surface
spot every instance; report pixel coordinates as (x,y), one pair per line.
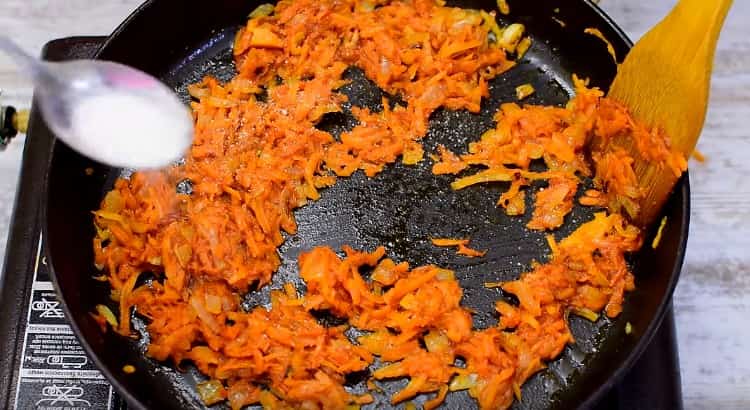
(401,208)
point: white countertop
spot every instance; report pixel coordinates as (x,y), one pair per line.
(712,301)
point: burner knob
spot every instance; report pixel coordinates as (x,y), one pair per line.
(11,123)
(20,121)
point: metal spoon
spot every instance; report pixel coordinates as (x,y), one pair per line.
(109,112)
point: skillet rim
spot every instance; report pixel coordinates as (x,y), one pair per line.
(682,189)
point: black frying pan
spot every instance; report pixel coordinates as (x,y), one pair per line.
(182,40)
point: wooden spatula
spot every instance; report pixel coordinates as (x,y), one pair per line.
(665,82)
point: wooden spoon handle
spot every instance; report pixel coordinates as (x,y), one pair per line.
(692,29)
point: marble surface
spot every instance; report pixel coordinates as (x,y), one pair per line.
(712,304)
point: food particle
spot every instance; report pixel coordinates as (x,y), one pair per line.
(511,36)
(461,245)
(523,47)
(463,382)
(107,315)
(524,90)
(597,33)
(211,392)
(657,237)
(586,314)
(552,243)
(263,10)
(502,5)
(698,156)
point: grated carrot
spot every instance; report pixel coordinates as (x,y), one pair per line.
(462,246)
(598,34)
(699,156)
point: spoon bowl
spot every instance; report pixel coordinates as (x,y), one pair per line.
(110,112)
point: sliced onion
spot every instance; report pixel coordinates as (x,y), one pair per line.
(211,392)
(203,314)
(107,315)
(213,304)
(463,382)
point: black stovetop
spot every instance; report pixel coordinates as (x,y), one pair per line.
(43,366)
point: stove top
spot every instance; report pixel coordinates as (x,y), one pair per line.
(42,366)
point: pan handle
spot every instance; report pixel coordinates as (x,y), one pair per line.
(12,122)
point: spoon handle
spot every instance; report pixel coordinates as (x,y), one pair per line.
(28,64)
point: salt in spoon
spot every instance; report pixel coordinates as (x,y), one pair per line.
(110,112)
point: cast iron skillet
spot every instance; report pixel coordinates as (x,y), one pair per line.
(182,40)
